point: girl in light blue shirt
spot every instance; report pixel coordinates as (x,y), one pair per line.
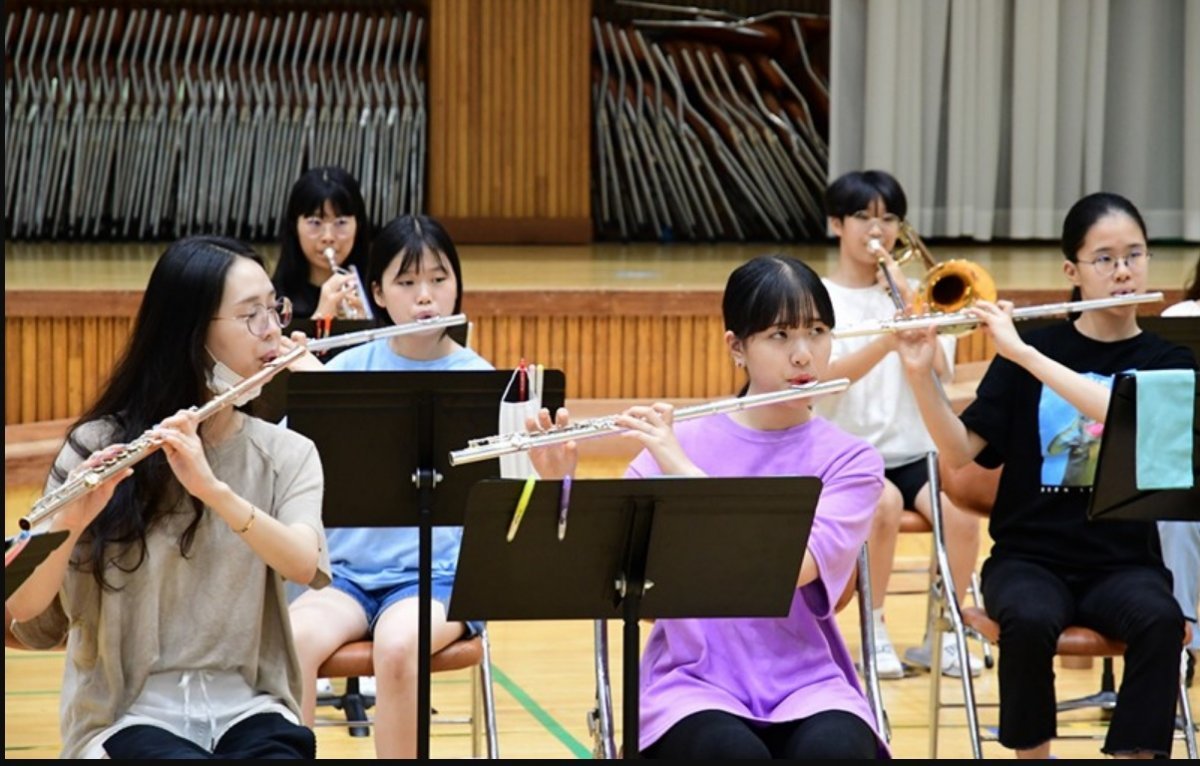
(413,274)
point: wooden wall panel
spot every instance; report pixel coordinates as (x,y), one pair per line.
(649,345)
(509,120)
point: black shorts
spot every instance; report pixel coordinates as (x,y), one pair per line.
(909,479)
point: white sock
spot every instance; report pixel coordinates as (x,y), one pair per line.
(877,618)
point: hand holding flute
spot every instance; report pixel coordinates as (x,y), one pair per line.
(652,425)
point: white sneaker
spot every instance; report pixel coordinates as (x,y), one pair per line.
(921,657)
(366,686)
(887,662)
(324,687)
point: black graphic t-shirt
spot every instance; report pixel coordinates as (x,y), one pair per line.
(1049,452)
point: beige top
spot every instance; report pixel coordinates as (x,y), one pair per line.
(219,609)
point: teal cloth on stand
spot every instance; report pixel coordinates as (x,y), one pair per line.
(1166,400)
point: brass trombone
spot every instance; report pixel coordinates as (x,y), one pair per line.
(948,286)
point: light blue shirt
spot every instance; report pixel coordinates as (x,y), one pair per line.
(386,557)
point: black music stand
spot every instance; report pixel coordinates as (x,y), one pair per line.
(35,550)
(635,548)
(385,440)
(271,404)
(1115,495)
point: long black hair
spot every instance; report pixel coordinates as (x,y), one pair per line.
(406,237)
(771,290)
(161,371)
(317,187)
(1083,215)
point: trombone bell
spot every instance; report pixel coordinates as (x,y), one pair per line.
(954,285)
(947,287)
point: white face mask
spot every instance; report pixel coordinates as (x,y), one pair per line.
(221,379)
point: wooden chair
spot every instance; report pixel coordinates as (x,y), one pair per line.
(356,659)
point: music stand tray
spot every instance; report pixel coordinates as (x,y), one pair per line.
(1115,495)
(635,548)
(385,440)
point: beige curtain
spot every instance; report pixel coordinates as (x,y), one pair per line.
(996,115)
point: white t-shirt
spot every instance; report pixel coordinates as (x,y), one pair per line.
(1182,309)
(878,407)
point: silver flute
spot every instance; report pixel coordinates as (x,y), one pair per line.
(146,445)
(390,331)
(506,444)
(965,318)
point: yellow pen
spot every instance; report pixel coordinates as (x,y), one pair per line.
(522,504)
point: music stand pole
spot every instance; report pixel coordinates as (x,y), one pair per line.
(425,479)
(402,422)
(631,586)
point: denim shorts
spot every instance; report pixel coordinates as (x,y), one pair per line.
(374,602)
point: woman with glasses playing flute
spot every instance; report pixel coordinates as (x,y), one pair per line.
(169,588)
(1039,412)
(760,688)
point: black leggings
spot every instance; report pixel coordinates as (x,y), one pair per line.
(266,735)
(717,734)
(1033,604)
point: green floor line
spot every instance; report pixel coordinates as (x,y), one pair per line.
(539,713)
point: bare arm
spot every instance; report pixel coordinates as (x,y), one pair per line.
(858,363)
(1084,394)
(38,591)
(292,551)
(957,444)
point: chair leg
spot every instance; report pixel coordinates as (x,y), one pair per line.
(489,700)
(870,672)
(947,616)
(1185,711)
(1105,699)
(976,589)
(600,718)
(354,705)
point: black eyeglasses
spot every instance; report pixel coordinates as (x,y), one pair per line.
(1106,265)
(259,321)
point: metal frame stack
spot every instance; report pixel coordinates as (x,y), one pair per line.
(156,121)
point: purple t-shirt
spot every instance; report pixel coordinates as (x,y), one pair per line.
(769,669)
